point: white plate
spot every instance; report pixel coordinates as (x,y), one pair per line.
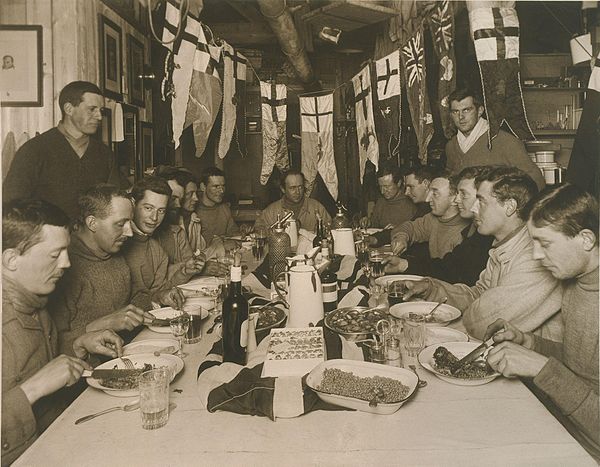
(443,315)
(199,287)
(460,349)
(174,363)
(438,334)
(362,369)
(373,230)
(385,280)
(168,313)
(150,346)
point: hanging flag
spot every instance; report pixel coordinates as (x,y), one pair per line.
(441,25)
(387,116)
(413,61)
(274,116)
(368,147)
(316,122)
(234,89)
(496,38)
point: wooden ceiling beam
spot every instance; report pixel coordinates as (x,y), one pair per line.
(244,33)
(247,10)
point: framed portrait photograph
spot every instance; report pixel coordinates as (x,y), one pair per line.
(111,56)
(147,146)
(135,54)
(21,76)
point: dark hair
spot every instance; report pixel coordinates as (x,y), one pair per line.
(96,200)
(181,176)
(566,208)
(445,173)
(155,184)
(390,169)
(463,93)
(422,173)
(510,183)
(472,172)
(289,173)
(211,172)
(23,220)
(73,93)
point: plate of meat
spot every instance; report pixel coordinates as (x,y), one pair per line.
(439,358)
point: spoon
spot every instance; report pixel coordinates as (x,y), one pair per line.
(420,382)
(377,396)
(131,406)
(427,316)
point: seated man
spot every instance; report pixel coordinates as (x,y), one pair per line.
(417,182)
(563,224)
(514,285)
(393,208)
(147,260)
(95,293)
(35,237)
(305,209)
(441,228)
(466,261)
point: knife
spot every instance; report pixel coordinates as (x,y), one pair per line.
(106,374)
(473,355)
(160,322)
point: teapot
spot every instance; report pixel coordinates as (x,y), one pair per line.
(304,296)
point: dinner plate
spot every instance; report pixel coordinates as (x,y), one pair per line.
(442,316)
(200,287)
(168,313)
(150,346)
(385,280)
(174,363)
(459,349)
(439,334)
(373,230)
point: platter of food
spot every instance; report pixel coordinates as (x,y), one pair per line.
(354,321)
(269,317)
(439,358)
(439,334)
(420,311)
(385,280)
(151,346)
(206,286)
(128,386)
(364,386)
(167,313)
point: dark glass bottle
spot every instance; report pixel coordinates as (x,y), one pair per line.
(319,236)
(235,312)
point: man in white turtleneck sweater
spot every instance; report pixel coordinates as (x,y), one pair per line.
(469,147)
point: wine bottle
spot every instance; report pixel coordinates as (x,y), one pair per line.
(319,235)
(235,312)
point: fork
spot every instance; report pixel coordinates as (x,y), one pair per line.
(420,382)
(128,363)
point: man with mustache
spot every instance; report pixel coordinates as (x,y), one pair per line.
(35,237)
(60,164)
(95,292)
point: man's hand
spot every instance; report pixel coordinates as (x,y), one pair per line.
(364,222)
(214,268)
(510,333)
(173,298)
(512,360)
(105,342)
(246,229)
(58,373)
(417,289)
(194,265)
(399,246)
(395,265)
(125,319)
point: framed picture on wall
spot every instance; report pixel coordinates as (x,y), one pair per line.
(104,132)
(127,151)
(111,56)
(21,76)
(147,146)
(135,54)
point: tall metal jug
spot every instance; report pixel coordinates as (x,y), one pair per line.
(304,296)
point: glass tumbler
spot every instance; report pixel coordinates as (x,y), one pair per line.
(154,398)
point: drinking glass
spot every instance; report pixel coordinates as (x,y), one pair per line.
(362,253)
(260,240)
(396,291)
(179,327)
(376,264)
(393,355)
(154,397)
(413,336)
(194,332)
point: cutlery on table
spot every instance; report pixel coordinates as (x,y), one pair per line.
(427,316)
(116,373)
(131,406)
(421,383)
(474,354)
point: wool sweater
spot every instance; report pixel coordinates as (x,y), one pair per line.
(216,220)
(506,150)
(514,286)
(94,286)
(46,167)
(570,377)
(442,234)
(172,239)
(306,217)
(393,211)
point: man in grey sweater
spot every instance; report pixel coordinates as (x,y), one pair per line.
(564,227)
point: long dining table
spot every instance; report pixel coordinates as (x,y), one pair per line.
(500,423)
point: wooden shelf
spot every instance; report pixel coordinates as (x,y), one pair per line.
(533,88)
(543,132)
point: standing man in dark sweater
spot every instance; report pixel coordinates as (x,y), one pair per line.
(60,164)
(470,145)
(563,224)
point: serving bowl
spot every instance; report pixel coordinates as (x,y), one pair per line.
(363,370)
(364,319)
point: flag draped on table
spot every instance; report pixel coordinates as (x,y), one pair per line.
(234,90)
(496,38)
(413,60)
(274,116)
(316,122)
(196,81)
(441,25)
(368,147)
(387,118)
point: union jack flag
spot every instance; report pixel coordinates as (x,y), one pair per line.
(413,51)
(441,19)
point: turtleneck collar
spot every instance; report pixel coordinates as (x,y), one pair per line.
(589,280)
(295,207)
(138,235)
(22,300)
